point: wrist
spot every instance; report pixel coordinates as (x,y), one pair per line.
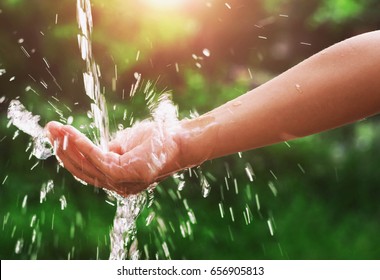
(196,140)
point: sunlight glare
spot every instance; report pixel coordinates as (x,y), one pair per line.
(165,4)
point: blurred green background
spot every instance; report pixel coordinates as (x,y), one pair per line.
(314,198)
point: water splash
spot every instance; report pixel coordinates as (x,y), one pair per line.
(26,122)
(45,189)
(123,242)
(19,246)
(123,233)
(206,187)
(63,202)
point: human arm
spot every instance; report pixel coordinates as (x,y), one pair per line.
(337,86)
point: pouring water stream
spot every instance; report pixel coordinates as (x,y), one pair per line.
(123,242)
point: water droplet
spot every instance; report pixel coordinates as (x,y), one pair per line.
(270,226)
(45,189)
(65,142)
(5,219)
(305,43)
(181,185)
(221,210)
(228,170)
(33,220)
(13,231)
(249,172)
(245,218)
(206,188)
(257,202)
(150,218)
(250,73)
(46,62)
(191,215)
(249,214)
(63,202)
(298,87)
(90,115)
(80,181)
(166,249)
(274,176)
(301,168)
(226,183)
(110,203)
(2,72)
(25,51)
(228,5)
(70,120)
(5,179)
(35,165)
(232,214)
(24,201)
(206,52)
(17,133)
(137,55)
(19,246)
(236,186)
(34,235)
(272,187)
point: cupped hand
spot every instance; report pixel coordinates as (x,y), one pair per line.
(137,158)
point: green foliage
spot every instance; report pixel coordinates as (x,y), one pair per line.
(275,6)
(339,11)
(13,3)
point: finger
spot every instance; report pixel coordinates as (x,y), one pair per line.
(53,131)
(114,147)
(53,126)
(76,163)
(64,136)
(82,176)
(95,178)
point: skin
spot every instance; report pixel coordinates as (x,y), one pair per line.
(337,86)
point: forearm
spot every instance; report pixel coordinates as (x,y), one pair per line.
(337,86)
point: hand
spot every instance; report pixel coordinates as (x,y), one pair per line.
(137,158)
